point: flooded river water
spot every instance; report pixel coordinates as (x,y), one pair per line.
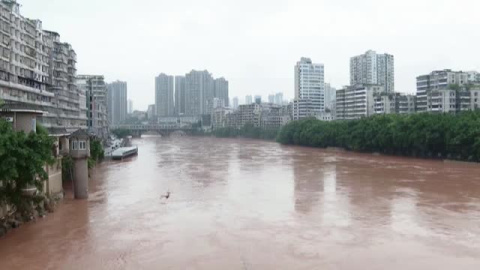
(246,204)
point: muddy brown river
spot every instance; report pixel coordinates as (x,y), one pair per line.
(247,204)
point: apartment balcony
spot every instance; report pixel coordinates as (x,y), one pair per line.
(32,54)
(24,102)
(6,32)
(60,58)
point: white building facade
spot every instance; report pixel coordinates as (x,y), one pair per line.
(309,88)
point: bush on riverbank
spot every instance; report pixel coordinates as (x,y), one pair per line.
(22,165)
(121,133)
(67,168)
(96,152)
(425,135)
(247,131)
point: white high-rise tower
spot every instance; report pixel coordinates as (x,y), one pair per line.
(309,89)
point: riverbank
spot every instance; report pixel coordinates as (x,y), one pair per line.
(439,136)
(11,217)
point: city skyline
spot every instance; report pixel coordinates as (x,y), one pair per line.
(255,62)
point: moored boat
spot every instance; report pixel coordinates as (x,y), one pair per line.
(124,152)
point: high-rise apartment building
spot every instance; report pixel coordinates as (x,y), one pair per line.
(117,102)
(235,103)
(279,98)
(271,99)
(373,69)
(151,112)
(130,106)
(164,95)
(199,93)
(248,99)
(258,99)
(68,99)
(309,87)
(221,90)
(330,95)
(96,94)
(37,71)
(179,95)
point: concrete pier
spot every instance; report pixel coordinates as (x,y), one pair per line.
(80,152)
(80,182)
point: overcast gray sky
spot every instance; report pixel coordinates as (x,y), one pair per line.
(255,44)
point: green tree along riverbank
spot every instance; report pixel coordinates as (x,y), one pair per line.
(247,131)
(452,136)
(96,153)
(22,168)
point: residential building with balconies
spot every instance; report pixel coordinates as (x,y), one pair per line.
(37,71)
(96,95)
(373,69)
(446,91)
(406,103)
(354,102)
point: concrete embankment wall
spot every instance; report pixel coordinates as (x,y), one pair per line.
(54,185)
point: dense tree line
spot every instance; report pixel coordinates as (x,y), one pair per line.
(455,136)
(247,131)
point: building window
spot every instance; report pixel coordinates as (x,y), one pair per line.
(79,145)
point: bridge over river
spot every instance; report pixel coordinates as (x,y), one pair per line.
(161,129)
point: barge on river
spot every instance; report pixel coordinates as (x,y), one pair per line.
(124,152)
